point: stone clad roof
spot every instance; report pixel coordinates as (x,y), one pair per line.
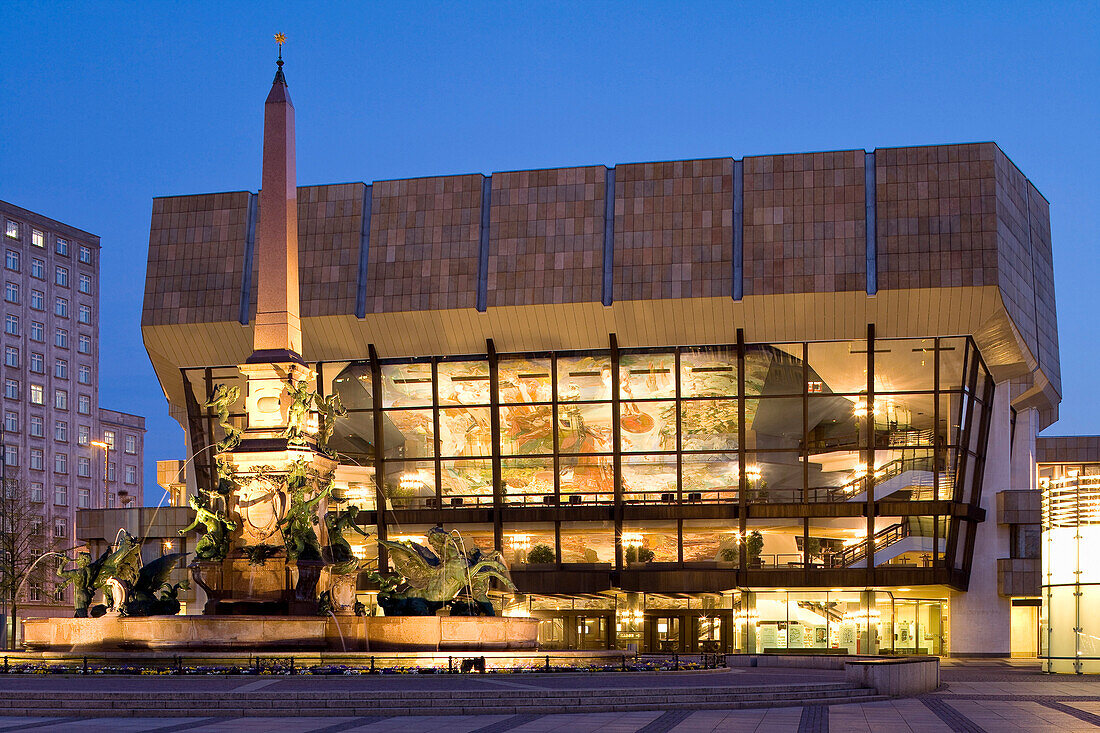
(543,259)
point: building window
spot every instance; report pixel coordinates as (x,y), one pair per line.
(38,300)
(61,307)
(84,467)
(61,338)
(61,369)
(38,394)
(38,426)
(37,461)
(37,492)
(38,269)
(38,363)
(61,399)
(61,431)
(85,254)
(84,344)
(110,472)
(131,444)
(11,293)
(84,374)
(83,435)
(11,455)
(11,389)
(61,276)
(38,331)
(109,438)
(13,260)
(84,315)
(84,404)
(61,495)
(11,356)
(83,498)
(131,475)
(85,284)
(59,594)
(34,591)
(12,229)
(11,422)
(62,247)
(60,463)
(38,239)
(59,528)
(11,325)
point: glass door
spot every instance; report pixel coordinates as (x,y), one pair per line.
(592,632)
(709,634)
(667,633)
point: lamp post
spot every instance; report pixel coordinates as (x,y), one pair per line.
(106,465)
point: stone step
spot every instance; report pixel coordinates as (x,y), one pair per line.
(267,699)
(656,699)
(396,711)
(338,696)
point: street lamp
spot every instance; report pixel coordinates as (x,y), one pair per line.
(106,463)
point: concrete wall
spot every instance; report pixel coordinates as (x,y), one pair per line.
(980,618)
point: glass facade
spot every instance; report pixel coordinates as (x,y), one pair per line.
(1069,640)
(829,459)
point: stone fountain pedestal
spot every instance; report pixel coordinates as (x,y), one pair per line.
(248,633)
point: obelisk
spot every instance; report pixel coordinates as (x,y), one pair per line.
(278,334)
(277,337)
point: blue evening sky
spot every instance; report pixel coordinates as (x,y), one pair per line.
(105,105)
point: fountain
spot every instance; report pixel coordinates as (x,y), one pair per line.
(259,558)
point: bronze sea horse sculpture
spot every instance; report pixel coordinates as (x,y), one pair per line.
(436,577)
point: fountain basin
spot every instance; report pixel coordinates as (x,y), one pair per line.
(289,633)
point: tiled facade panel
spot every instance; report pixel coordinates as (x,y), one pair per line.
(1014,261)
(546,230)
(936,216)
(424,244)
(673,229)
(1068,449)
(330,222)
(1046,318)
(196,254)
(805,223)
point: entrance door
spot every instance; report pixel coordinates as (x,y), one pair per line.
(667,633)
(1025,631)
(552,633)
(592,632)
(708,634)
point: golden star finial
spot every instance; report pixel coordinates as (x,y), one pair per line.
(280,38)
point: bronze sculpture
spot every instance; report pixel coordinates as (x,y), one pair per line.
(214,543)
(438,576)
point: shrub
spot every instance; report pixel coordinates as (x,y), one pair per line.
(540,554)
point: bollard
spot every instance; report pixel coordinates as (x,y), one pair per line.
(450,665)
(179,665)
(372,665)
(5,665)
(85,666)
(623,661)
(292,665)
(676,662)
(547,662)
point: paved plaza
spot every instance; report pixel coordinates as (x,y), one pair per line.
(976,696)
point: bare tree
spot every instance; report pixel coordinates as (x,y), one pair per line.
(26,544)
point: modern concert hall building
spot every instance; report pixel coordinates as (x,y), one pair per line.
(726,404)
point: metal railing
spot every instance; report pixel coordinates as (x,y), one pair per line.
(882,539)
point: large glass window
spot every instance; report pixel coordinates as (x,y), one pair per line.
(817,422)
